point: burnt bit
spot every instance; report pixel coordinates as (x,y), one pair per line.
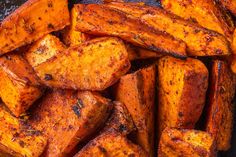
(50,26)
(22,144)
(48,77)
(76,110)
(180,114)
(102,149)
(41,49)
(50,4)
(122,128)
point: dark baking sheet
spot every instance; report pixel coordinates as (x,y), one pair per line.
(7,6)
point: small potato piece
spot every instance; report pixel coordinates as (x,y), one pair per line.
(19,139)
(230,4)
(136,53)
(31,21)
(93,65)
(182,90)
(137,92)
(111,144)
(68,117)
(44,49)
(72,37)
(19,86)
(186,143)
(220,116)
(208,13)
(102,20)
(211,43)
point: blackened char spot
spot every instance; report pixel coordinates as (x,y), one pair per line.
(48,77)
(76,110)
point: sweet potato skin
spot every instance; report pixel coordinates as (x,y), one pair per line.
(220,107)
(93,65)
(31,21)
(137,92)
(185,143)
(230,4)
(111,143)
(102,20)
(182,88)
(85,113)
(212,43)
(19,85)
(43,49)
(208,13)
(17,138)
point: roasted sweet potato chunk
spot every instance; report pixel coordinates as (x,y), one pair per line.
(182,88)
(230,4)
(69,117)
(102,20)
(185,143)
(220,107)
(208,13)
(19,86)
(44,49)
(137,92)
(31,21)
(212,43)
(94,65)
(17,138)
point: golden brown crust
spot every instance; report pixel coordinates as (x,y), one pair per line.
(68,117)
(137,92)
(31,21)
(208,13)
(185,143)
(182,86)
(93,65)
(212,43)
(102,20)
(220,107)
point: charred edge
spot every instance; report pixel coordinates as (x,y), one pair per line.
(76,110)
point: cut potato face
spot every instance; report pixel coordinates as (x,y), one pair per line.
(185,143)
(94,65)
(67,118)
(137,92)
(19,85)
(212,43)
(102,20)
(220,107)
(31,21)
(208,13)
(182,86)
(18,138)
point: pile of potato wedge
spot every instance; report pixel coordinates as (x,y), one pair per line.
(118,79)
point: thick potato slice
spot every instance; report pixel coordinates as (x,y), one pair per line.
(211,43)
(19,86)
(44,49)
(186,143)
(17,138)
(137,92)
(68,117)
(94,65)
(220,115)
(102,20)
(230,4)
(31,21)
(182,90)
(208,13)
(111,144)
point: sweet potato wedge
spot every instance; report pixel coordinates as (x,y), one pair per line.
(19,139)
(208,13)
(230,4)
(19,85)
(137,92)
(102,20)
(182,88)
(44,49)
(93,65)
(185,143)
(220,107)
(113,144)
(68,117)
(31,21)
(212,43)
(136,53)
